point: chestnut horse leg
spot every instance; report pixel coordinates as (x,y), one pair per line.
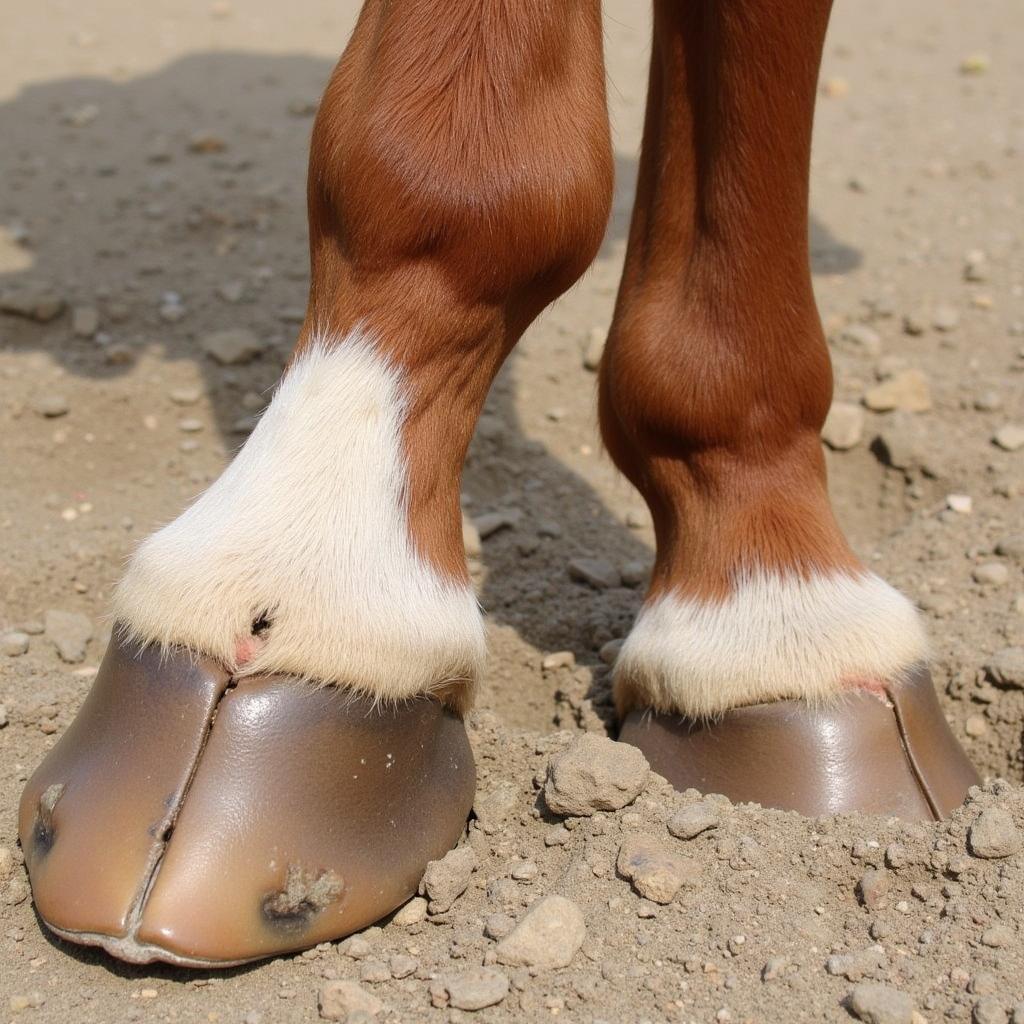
(215,809)
(714,386)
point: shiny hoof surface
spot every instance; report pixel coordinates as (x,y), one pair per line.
(188,819)
(895,756)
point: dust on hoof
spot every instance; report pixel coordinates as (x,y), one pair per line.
(43,832)
(303,897)
(211,866)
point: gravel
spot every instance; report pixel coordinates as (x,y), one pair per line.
(594,774)
(477,988)
(548,937)
(993,834)
(880,1004)
(70,633)
(445,880)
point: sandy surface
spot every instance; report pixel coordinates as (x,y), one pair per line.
(153,159)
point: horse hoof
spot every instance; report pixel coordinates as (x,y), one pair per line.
(187,818)
(892,754)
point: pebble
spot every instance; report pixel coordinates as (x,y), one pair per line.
(596,572)
(993,834)
(657,874)
(493,810)
(907,391)
(858,964)
(401,966)
(69,632)
(497,926)
(975,726)
(844,426)
(412,913)
(594,774)
(945,318)
(50,405)
(374,972)
(471,538)
(610,651)
(1012,547)
(185,396)
(962,504)
(880,1004)
(988,401)
(445,880)
(14,643)
(37,302)
(1010,438)
(991,574)
(501,519)
(691,821)
(85,321)
(232,346)
(477,988)
(998,936)
(559,659)
(873,887)
(900,443)
(1006,667)
(989,1010)
(7,864)
(547,938)
(338,1000)
(859,339)
(594,350)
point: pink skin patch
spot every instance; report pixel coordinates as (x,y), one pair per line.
(246,648)
(876,687)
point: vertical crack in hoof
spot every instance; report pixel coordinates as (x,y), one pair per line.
(292,908)
(44,833)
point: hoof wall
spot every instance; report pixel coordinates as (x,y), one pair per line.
(187,819)
(893,755)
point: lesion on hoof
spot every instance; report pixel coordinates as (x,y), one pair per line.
(193,818)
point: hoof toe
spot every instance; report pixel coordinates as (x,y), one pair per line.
(188,819)
(891,754)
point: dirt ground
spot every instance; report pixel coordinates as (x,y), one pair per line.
(153,160)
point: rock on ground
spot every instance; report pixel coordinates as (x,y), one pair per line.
(477,988)
(880,1004)
(548,936)
(595,774)
(693,819)
(445,880)
(338,1000)
(233,345)
(657,874)
(993,834)
(70,633)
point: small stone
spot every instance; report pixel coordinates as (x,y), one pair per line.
(374,972)
(206,142)
(547,938)
(338,1000)
(401,966)
(907,391)
(993,834)
(85,321)
(998,936)
(858,964)
(14,643)
(1012,547)
(991,574)
(975,64)
(477,988)
(594,350)
(962,504)
(1010,438)
(50,405)
(859,339)
(873,887)
(844,426)
(445,880)
(497,926)
(594,774)
(560,659)
(412,913)
(527,870)
(233,345)
(774,968)
(945,318)
(975,266)
(596,572)
(657,874)
(36,302)
(634,573)
(975,726)
(185,396)
(501,519)
(493,810)
(988,401)
(190,425)
(880,1004)
(1006,667)
(835,88)
(989,1010)
(70,632)
(901,443)
(914,323)
(357,947)
(610,651)
(471,538)
(7,864)
(692,820)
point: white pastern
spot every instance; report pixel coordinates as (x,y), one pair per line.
(308,527)
(773,638)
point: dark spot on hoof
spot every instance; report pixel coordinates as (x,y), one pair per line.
(303,897)
(43,832)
